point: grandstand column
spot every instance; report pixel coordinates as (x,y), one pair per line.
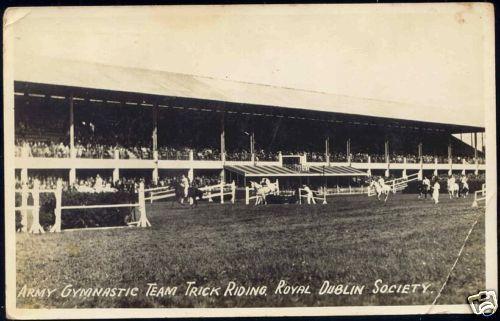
(435,166)
(155,174)
(369,172)
(191,155)
(421,169)
(72,151)
(404,168)
(387,160)
(420,152)
(475,145)
(450,168)
(280,158)
(190,174)
(116,175)
(155,129)
(222,138)
(222,176)
(348,151)
(24,175)
(327,151)
(72,176)
(463,168)
(476,170)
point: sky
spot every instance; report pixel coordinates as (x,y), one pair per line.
(426,56)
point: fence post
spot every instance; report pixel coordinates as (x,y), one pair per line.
(57,211)
(277,187)
(210,200)
(36,228)
(324,196)
(221,192)
(24,205)
(394,186)
(247,195)
(143,219)
(233,192)
(300,196)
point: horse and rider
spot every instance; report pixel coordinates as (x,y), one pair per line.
(263,189)
(381,188)
(458,189)
(185,190)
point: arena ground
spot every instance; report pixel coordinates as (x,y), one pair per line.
(353,240)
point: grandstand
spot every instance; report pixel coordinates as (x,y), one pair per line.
(118,122)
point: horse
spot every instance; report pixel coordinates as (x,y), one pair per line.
(381,189)
(464,190)
(263,191)
(193,194)
(453,189)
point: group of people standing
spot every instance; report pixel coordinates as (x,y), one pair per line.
(428,185)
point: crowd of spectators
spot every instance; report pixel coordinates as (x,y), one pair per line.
(100,150)
(97,184)
(25,148)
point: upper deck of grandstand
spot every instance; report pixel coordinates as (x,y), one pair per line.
(92,111)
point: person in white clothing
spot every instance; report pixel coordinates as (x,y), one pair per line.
(310,195)
(426,186)
(185,184)
(435,192)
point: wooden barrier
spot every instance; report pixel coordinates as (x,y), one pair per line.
(397,184)
(24,209)
(479,196)
(322,198)
(219,190)
(141,205)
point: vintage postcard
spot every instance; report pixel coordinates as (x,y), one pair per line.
(250,160)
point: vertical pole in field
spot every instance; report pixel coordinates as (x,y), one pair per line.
(57,211)
(324,195)
(300,195)
(24,205)
(247,195)
(210,200)
(221,193)
(36,228)
(233,192)
(277,187)
(143,219)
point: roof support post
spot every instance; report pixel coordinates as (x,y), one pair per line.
(71,127)
(252,146)
(154,135)
(420,152)
(327,150)
(475,145)
(222,138)
(348,152)
(386,149)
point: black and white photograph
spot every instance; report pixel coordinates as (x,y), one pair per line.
(250,160)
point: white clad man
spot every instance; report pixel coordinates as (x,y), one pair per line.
(185,184)
(435,192)
(465,185)
(310,195)
(426,183)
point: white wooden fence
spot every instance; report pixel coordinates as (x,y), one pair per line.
(479,196)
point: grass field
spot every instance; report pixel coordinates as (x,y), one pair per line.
(353,240)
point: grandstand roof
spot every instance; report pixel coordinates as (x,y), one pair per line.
(84,75)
